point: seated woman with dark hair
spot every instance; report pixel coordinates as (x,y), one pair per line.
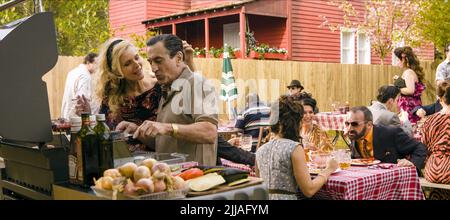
(281,162)
(313,137)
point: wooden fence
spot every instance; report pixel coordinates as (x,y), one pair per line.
(328,82)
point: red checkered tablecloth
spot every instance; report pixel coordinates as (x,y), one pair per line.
(331,121)
(248,168)
(362,183)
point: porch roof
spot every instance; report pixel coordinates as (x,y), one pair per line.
(196,12)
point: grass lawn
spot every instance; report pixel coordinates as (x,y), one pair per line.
(340,144)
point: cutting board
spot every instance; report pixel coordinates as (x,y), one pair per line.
(225,187)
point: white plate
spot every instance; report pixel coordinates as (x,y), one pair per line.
(317,171)
(359,162)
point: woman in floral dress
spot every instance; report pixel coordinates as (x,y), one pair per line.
(413,76)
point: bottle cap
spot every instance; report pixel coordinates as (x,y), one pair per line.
(100,117)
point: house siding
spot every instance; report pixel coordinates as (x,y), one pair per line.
(196,4)
(125,17)
(159,8)
(310,42)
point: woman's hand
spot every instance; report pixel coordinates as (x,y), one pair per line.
(126,127)
(189,55)
(421,113)
(82,105)
(332,164)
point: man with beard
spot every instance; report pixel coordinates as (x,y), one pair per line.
(389,144)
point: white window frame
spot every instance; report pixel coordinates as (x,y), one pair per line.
(351,48)
(366,54)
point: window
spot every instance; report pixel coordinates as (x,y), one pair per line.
(347,46)
(231,34)
(363,48)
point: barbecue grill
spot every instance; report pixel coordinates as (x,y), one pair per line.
(34,158)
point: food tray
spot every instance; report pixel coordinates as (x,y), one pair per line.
(175,194)
(138,157)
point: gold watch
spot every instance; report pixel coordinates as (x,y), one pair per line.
(174,130)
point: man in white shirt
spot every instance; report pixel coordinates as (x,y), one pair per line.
(443,70)
(78,84)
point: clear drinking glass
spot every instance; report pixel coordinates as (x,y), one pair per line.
(344,158)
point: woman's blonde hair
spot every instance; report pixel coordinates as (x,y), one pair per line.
(112,86)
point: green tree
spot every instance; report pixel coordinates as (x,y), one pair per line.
(434,21)
(81,25)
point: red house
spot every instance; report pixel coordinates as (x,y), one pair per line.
(290,24)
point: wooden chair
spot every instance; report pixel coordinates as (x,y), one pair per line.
(260,137)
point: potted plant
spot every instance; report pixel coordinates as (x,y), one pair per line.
(200,53)
(263,51)
(276,54)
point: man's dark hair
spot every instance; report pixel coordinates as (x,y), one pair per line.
(386,92)
(446,48)
(90,58)
(367,114)
(171,42)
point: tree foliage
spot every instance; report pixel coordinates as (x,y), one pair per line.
(434,21)
(81,25)
(387,23)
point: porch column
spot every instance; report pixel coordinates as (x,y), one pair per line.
(242,25)
(289,29)
(207,36)
(174,29)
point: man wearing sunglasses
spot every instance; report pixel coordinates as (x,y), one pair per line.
(389,144)
(295,88)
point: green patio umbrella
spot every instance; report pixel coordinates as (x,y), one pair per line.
(228,89)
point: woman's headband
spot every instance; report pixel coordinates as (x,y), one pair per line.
(109,52)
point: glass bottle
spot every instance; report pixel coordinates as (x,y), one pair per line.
(87,153)
(105,145)
(75,126)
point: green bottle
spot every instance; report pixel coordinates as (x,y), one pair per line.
(105,144)
(87,167)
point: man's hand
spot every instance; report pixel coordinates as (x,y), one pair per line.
(421,113)
(82,105)
(127,127)
(404,163)
(234,142)
(150,129)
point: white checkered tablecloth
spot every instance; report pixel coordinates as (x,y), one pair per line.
(331,121)
(362,183)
